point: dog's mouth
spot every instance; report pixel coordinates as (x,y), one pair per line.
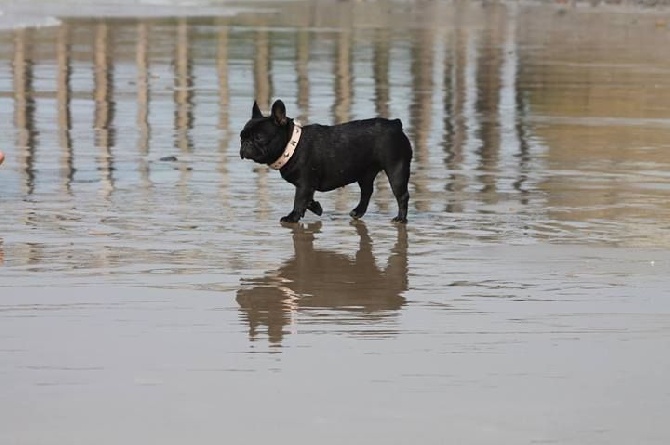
(246,151)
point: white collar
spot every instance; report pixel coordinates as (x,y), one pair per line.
(290,147)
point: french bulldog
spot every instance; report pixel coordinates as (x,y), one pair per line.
(324,157)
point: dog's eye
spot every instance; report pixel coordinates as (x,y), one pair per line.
(258,137)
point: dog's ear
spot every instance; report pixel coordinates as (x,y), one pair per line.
(279,113)
(256,112)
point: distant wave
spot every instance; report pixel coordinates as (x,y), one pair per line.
(38,13)
(19,21)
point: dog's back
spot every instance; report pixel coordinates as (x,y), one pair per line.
(377,135)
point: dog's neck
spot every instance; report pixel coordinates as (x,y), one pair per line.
(290,147)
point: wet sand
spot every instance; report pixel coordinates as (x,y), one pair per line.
(146,300)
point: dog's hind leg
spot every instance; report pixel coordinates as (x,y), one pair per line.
(399,178)
(367,185)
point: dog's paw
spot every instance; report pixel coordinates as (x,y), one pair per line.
(315,208)
(356,214)
(292,217)
(399,220)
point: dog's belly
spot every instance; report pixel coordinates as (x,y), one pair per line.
(333,177)
(332,185)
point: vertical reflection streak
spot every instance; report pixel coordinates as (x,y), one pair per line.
(470,117)
(143,101)
(382,85)
(343,95)
(488,102)
(506,107)
(507,110)
(343,88)
(302,72)
(24,106)
(104,106)
(224,111)
(183,100)
(262,67)
(63,100)
(455,110)
(514,107)
(183,88)
(423,42)
(263,92)
(453,150)
(524,145)
(381,56)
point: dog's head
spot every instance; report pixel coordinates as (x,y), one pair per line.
(263,139)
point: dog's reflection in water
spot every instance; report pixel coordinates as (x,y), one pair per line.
(317,283)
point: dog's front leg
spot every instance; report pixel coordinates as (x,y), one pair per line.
(303,199)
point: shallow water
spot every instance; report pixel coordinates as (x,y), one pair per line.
(145,300)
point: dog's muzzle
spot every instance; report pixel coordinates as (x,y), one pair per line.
(245,151)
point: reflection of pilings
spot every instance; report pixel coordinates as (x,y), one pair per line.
(183,88)
(519,130)
(381,71)
(302,71)
(343,90)
(343,94)
(63,97)
(104,105)
(262,80)
(183,98)
(422,86)
(454,106)
(488,100)
(449,118)
(222,72)
(143,99)
(263,94)
(421,107)
(524,147)
(24,105)
(143,92)
(224,110)
(381,61)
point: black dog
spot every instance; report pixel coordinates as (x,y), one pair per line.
(322,158)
